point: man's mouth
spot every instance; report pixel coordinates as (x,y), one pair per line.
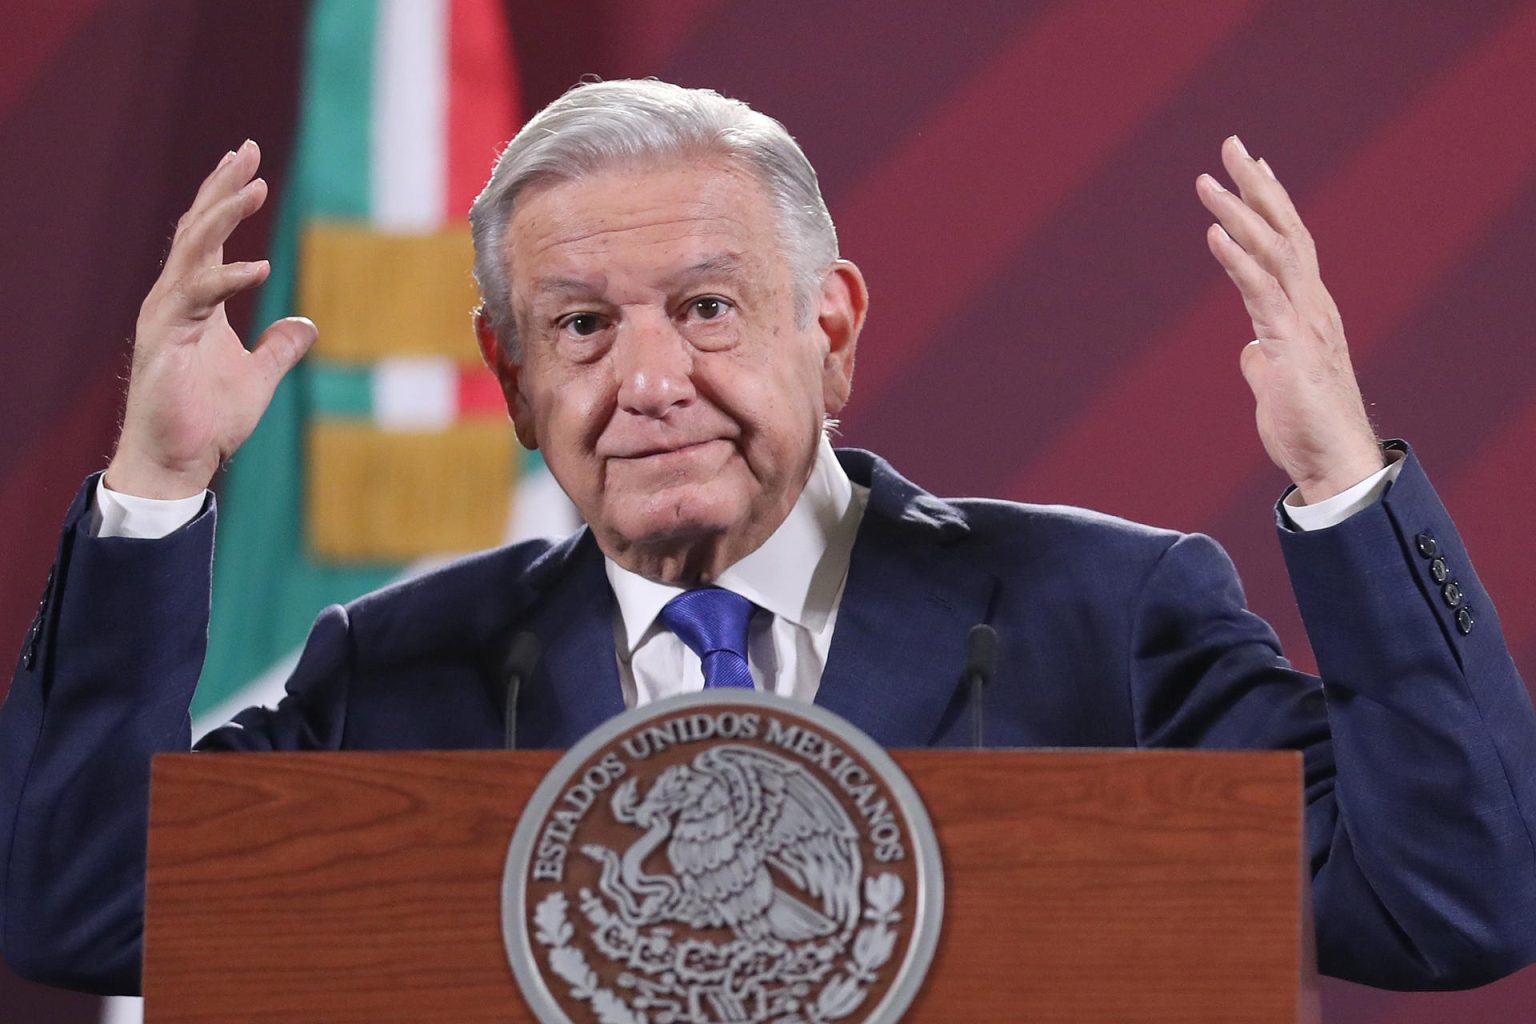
(665,451)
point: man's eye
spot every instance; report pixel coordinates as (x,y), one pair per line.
(582,324)
(708,307)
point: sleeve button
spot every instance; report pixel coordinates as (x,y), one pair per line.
(1426,544)
(1464,621)
(1439,571)
(1452,594)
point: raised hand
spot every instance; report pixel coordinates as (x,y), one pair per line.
(196,392)
(1310,415)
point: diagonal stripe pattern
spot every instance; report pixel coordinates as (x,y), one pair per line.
(713,623)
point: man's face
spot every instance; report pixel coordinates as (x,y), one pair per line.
(663,373)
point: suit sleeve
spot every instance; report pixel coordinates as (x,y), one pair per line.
(1419,743)
(104,682)
(1434,805)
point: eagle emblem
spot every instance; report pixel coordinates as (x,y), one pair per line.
(722,860)
(755,846)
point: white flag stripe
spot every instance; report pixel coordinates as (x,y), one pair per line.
(410,115)
(415,394)
(540,509)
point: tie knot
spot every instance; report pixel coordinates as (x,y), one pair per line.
(710,620)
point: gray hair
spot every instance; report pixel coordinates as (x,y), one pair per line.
(599,125)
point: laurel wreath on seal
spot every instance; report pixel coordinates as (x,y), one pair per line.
(553,930)
(872,949)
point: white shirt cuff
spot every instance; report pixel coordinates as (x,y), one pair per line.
(1341,506)
(127,515)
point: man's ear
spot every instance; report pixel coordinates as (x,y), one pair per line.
(844,302)
(509,373)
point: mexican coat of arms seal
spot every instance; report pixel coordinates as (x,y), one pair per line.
(722,857)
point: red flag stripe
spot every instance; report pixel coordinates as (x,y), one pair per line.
(484,100)
(479,394)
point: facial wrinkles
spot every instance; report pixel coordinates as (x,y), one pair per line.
(579,230)
(657,405)
(561,232)
(598,237)
(631,254)
(672,398)
(629,287)
(629,298)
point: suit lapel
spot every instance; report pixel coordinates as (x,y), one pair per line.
(896,657)
(576,684)
(899,648)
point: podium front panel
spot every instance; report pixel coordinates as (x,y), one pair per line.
(1082,886)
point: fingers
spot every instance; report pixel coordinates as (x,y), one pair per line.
(206,290)
(200,241)
(1244,224)
(1269,306)
(200,238)
(1260,189)
(1262,219)
(233,171)
(195,280)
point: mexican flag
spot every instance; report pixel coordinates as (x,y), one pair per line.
(388,449)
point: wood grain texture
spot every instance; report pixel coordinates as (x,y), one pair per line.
(1081,886)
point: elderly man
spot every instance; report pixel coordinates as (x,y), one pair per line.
(672,328)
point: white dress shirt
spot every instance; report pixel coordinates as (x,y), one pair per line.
(796,579)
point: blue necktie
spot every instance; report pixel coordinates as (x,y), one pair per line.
(713,623)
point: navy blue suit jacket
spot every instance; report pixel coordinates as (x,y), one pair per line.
(1420,754)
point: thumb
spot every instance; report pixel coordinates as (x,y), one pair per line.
(282,345)
(1254,362)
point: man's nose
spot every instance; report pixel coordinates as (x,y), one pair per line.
(654,365)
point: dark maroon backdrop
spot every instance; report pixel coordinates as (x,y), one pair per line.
(1015,179)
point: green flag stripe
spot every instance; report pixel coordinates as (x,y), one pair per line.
(339,392)
(335,147)
(265,589)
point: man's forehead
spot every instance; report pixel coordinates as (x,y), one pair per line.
(656,229)
(659,200)
(728,264)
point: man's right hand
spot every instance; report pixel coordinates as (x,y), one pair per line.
(196,393)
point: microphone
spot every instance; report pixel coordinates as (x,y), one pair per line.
(522,655)
(980,663)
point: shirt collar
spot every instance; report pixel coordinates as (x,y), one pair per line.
(796,574)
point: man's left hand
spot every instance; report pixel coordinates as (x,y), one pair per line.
(1310,415)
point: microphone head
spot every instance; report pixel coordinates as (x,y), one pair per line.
(981,651)
(522,655)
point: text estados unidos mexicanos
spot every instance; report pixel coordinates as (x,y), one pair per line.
(813,748)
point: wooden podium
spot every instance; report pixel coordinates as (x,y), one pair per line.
(1081,886)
